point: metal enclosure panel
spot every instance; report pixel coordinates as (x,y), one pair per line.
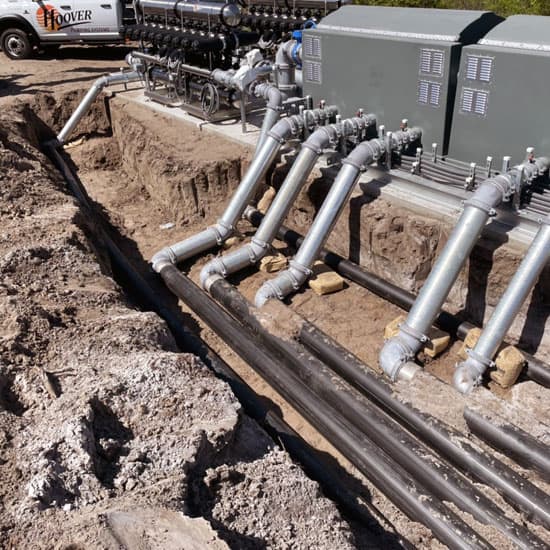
(512,105)
(394,62)
(384,76)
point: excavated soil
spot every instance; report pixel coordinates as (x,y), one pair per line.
(136,422)
(110,436)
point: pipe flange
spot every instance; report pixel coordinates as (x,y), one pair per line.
(482,360)
(483,206)
(416,334)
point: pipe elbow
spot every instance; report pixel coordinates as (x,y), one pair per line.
(395,354)
(466,377)
(286,127)
(469,373)
(265,293)
(281,286)
(163,258)
(214,267)
(320,139)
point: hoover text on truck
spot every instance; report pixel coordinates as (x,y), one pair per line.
(52,20)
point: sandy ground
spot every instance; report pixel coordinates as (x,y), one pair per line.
(159,182)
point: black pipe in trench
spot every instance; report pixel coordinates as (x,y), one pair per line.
(383,472)
(439,479)
(450,444)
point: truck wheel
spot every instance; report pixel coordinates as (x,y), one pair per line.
(16,44)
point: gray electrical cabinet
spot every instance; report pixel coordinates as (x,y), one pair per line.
(394,62)
(502,103)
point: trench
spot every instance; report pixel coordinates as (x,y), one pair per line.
(157,184)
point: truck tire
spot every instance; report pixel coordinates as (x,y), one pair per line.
(16,44)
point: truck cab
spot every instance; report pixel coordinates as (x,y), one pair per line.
(29,24)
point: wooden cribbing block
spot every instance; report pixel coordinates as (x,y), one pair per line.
(324,280)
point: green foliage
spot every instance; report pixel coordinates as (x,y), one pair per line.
(502,7)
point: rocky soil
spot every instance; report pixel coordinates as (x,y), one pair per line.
(111,437)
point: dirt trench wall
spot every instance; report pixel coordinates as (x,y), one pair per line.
(187,186)
(105,429)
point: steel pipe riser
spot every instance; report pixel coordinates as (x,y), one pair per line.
(469,373)
(299,271)
(433,474)
(97,87)
(451,445)
(536,370)
(511,441)
(447,267)
(256,250)
(293,358)
(246,190)
(225,226)
(399,350)
(291,187)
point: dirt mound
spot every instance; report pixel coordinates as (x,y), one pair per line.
(100,414)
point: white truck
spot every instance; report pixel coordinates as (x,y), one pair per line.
(27,25)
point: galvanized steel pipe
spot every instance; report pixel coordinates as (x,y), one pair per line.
(360,158)
(399,352)
(469,373)
(301,168)
(97,87)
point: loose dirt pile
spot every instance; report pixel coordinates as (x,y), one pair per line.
(106,430)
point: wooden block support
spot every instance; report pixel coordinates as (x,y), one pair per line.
(469,342)
(273,263)
(509,364)
(324,280)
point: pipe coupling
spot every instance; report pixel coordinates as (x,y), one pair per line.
(222,231)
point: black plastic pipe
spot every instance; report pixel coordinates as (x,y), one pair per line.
(536,370)
(383,472)
(512,441)
(327,476)
(449,443)
(435,475)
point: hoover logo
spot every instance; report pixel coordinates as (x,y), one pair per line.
(50,19)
